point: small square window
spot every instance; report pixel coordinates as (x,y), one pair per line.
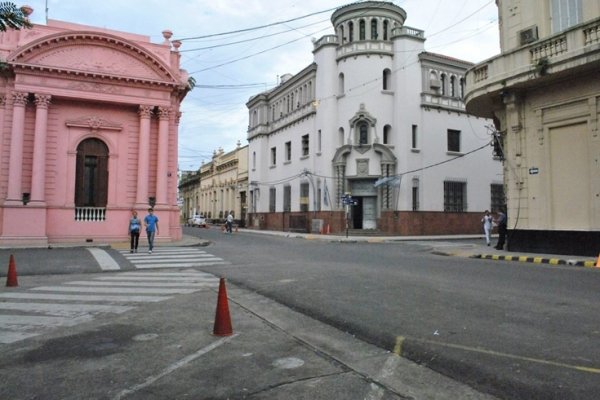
(454,140)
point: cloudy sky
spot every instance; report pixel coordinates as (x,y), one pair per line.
(230,68)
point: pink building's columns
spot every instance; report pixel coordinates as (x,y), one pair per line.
(15,165)
(38,177)
(163,155)
(145,113)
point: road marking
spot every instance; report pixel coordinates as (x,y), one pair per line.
(173,367)
(214,282)
(104,260)
(507,355)
(86,289)
(144,279)
(71,297)
(59,309)
(12,320)
(173,257)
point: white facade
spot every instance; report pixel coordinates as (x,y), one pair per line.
(371,106)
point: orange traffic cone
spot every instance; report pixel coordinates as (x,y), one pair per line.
(598,262)
(222,319)
(11,277)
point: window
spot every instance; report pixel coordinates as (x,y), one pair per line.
(363,133)
(443,84)
(453,86)
(362,30)
(305,145)
(253,160)
(565,13)
(341,136)
(340,84)
(497,196)
(343,39)
(455,196)
(273,156)
(462,88)
(385,29)
(272,199)
(288,151)
(287,198)
(304,196)
(373,29)
(454,140)
(386,79)
(387,131)
(91,174)
(319,138)
(414,138)
(415,194)
(350,31)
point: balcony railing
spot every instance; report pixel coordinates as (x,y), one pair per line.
(90,213)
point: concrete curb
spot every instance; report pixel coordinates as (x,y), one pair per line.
(536,260)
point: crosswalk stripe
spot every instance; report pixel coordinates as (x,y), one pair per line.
(7,337)
(173,257)
(60,309)
(71,297)
(189,273)
(11,320)
(214,282)
(104,260)
(86,289)
(154,278)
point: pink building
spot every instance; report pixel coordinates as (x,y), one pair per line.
(88,132)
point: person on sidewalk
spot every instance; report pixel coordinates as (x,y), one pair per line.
(229,222)
(487,226)
(502,229)
(151,224)
(135,224)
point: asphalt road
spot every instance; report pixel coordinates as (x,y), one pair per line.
(514,330)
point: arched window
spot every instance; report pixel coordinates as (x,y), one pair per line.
(453,86)
(340,84)
(362,33)
(386,79)
(386,26)
(387,132)
(350,31)
(300,98)
(443,84)
(254,118)
(373,29)
(341,136)
(342,38)
(363,133)
(91,174)
(462,88)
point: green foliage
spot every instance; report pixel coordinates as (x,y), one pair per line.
(12,17)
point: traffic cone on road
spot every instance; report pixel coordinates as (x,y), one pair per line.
(598,262)
(11,277)
(222,325)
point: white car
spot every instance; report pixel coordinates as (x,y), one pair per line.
(197,220)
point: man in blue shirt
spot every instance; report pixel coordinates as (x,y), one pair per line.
(151,224)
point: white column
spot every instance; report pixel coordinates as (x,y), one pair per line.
(15,164)
(38,176)
(145,113)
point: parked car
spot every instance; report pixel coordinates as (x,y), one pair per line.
(197,220)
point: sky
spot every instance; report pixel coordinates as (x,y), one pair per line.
(229,68)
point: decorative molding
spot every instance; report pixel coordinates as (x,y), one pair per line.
(94,123)
(20,98)
(145,111)
(163,112)
(42,100)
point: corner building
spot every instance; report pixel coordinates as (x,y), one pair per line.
(377,118)
(88,132)
(543,92)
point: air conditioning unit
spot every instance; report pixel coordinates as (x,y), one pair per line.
(528,35)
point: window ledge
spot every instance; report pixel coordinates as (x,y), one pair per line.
(415,150)
(454,153)
(287,162)
(304,157)
(272,166)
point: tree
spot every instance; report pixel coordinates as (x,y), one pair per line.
(12,17)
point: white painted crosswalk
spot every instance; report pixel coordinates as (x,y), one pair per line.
(173,257)
(30,312)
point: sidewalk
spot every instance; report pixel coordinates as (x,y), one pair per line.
(447,246)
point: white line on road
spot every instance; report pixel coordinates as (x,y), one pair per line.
(86,289)
(104,260)
(124,277)
(213,282)
(7,321)
(63,310)
(71,297)
(175,265)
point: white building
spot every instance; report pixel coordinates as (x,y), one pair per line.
(372,105)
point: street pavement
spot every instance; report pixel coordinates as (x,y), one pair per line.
(142,328)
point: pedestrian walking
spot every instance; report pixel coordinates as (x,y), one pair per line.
(151,224)
(487,226)
(135,224)
(502,229)
(229,223)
